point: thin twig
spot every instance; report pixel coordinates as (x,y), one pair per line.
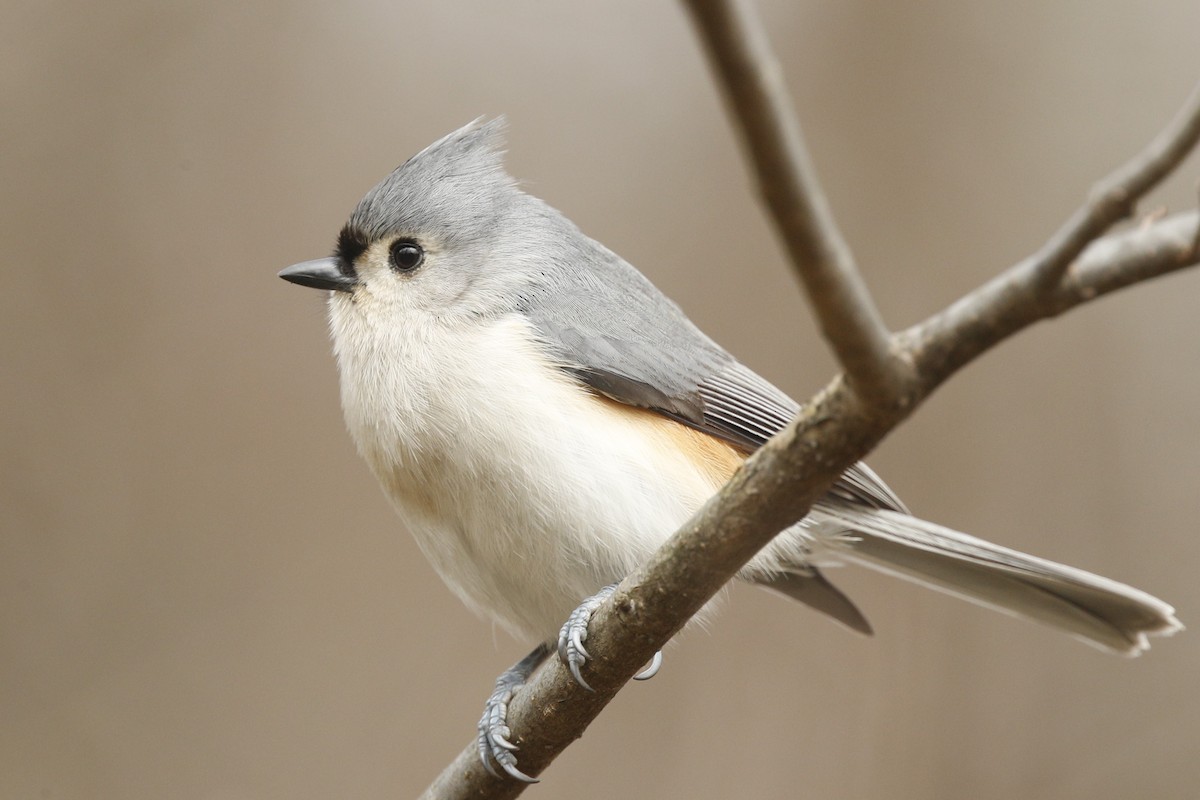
(1124,259)
(761,109)
(1004,305)
(1115,197)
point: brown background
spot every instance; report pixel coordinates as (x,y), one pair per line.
(203,594)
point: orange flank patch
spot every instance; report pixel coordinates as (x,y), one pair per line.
(715,459)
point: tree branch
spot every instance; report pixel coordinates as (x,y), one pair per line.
(762,111)
(1115,197)
(1009,302)
(778,484)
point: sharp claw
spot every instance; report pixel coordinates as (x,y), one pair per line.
(494,747)
(652,670)
(579,678)
(485,753)
(577,642)
(512,770)
(499,740)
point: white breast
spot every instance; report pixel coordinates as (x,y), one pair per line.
(525,491)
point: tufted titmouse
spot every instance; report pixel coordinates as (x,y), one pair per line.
(543,418)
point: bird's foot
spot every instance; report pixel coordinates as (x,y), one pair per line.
(493,740)
(574,632)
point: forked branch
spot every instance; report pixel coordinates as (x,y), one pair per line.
(761,110)
(889,375)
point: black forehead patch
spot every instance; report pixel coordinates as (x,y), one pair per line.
(351,243)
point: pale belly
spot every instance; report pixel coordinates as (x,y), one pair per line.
(525,491)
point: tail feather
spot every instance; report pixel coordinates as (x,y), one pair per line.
(1098,610)
(815,591)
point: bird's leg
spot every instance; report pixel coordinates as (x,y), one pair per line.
(574,633)
(493,741)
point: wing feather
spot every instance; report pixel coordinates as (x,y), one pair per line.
(615,332)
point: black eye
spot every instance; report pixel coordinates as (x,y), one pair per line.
(406,256)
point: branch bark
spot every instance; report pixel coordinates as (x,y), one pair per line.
(759,105)
(779,483)
(1115,197)
(953,337)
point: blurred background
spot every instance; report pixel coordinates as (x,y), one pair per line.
(203,593)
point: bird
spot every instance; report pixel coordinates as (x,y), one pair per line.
(542,418)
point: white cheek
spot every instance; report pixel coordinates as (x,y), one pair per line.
(438,287)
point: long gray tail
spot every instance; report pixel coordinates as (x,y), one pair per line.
(1097,610)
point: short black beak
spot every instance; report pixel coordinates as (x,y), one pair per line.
(321,273)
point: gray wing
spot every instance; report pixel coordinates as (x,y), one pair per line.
(606,324)
(614,331)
